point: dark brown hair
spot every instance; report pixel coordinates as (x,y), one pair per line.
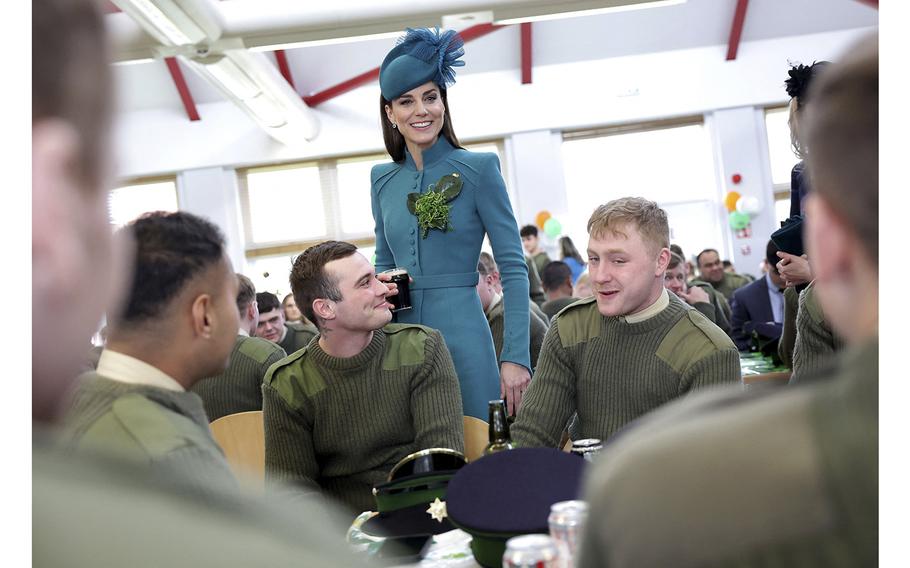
(394,141)
(71,78)
(309,281)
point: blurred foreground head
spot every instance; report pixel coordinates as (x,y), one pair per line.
(842,211)
(72,250)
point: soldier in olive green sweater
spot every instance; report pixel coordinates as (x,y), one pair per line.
(789,477)
(816,343)
(342,412)
(712,271)
(178,327)
(290,336)
(631,348)
(239,387)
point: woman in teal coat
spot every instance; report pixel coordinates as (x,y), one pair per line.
(432,206)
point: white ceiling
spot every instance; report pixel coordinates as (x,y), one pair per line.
(696,23)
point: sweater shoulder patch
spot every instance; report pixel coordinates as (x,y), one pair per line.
(156,429)
(691,338)
(258,349)
(405,345)
(295,378)
(578,322)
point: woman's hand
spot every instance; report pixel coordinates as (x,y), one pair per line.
(514,382)
(795,270)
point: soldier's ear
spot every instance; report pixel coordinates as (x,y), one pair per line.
(324,309)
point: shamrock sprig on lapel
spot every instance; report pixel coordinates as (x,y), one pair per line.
(432,207)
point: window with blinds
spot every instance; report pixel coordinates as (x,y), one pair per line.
(131,200)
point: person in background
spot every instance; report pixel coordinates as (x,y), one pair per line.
(816,344)
(716,297)
(583,288)
(430,172)
(290,336)
(530,240)
(812,497)
(730,269)
(759,306)
(631,348)
(700,295)
(341,412)
(178,327)
(239,387)
(491,300)
(490,269)
(557,284)
(95,510)
(291,313)
(711,270)
(570,255)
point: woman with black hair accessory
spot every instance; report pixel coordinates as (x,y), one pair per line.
(798,81)
(432,206)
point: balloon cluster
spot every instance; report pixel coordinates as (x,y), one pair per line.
(742,208)
(548,224)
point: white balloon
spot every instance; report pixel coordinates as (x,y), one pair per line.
(748,204)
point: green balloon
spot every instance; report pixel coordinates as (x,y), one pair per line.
(739,220)
(552,227)
(373,259)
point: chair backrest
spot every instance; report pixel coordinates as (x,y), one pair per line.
(476,437)
(242,437)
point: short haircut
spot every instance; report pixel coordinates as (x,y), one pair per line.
(771,255)
(647,216)
(284,301)
(555,275)
(309,280)
(172,249)
(842,133)
(267,302)
(486,265)
(726,263)
(528,231)
(704,252)
(675,260)
(71,77)
(677,249)
(246,292)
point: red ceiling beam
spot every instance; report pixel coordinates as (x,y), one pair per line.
(526,53)
(736,31)
(469,34)
(108,7)
(282,59)
(182,88)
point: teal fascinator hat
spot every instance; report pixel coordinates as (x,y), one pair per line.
(420,56)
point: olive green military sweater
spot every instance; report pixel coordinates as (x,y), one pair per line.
(773,479)
(343,423)
(788,333)
(239,387)
(729,284)
(816,343)
(298,336)
(553,307)
(538,330)
(611,371)
(162,428)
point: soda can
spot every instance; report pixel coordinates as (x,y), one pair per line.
(566,520)
(587,448)
(530,551)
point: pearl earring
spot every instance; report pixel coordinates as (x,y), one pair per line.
(394,125)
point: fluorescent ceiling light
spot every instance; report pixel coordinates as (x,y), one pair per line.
(165,20)
(267,111)
(223,70)
(327,41)
(591,12)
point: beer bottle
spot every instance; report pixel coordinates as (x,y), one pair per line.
(500,439)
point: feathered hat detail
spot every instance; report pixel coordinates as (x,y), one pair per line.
(421,55)
(799,77)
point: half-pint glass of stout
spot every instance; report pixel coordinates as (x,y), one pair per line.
(401,300)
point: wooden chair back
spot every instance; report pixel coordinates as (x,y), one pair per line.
(242,437)
(476,437)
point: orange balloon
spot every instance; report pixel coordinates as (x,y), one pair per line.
(543,216)
(731,199)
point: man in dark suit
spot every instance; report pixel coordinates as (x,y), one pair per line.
(759,306)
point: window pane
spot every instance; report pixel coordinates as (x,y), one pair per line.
(271,273)
(779,151)
(286,205)
(354,195)
(782,208)
(672,166)
(493,148)
(130,201)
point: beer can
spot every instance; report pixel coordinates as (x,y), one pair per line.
(566,521)
(530,551)
(587,448)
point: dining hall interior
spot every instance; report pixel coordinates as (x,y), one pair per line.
(627,316)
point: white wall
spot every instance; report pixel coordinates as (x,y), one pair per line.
(529,117)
